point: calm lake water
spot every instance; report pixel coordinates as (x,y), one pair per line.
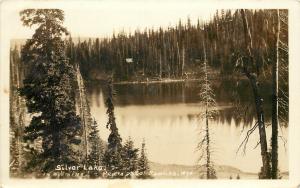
(164,114)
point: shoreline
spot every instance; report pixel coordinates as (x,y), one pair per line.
(178,171)
(163,80)
(168,80)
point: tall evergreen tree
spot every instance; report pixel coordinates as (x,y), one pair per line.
(96,151)
(143,169)
(48,89)
(130,158)
(112,158)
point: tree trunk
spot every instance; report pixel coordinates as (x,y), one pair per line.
(207,148)
(81,111)
(178,53)
(208,165)
(261,127)
(160,66)
(183,62)
(19,112)
(257,98)
(275,105)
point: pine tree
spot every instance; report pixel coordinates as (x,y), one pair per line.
(143,168)
(207,100)
(48,90)
(96,151)
(130,158)
(112,158)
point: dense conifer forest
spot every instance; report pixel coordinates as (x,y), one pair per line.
(50,71)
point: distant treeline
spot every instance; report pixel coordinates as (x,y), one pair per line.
(176,52)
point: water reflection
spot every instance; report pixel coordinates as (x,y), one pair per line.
(166,116)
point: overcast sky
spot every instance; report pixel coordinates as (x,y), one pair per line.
(100,19)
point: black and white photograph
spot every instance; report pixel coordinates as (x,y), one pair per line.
(149,90)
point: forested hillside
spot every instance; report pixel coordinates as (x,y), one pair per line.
(50,71)
(176,52)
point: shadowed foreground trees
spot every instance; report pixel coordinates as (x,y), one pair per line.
(143,169)
(121,161)
(130,158)
(96,152)
(249,66)
(112,157)
(49,91)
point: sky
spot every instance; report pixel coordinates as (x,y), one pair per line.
(101,19)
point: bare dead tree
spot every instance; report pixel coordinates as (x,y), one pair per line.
(247,62)
(274,144)
(84,112)
(17,114)
(280,95)
(207,100)
(245,141)
(183,62)
(283,96)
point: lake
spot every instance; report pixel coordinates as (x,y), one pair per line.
(165,115)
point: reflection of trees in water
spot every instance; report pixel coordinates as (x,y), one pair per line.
(235,93)
(231,114)
(239,95)
(141,94)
